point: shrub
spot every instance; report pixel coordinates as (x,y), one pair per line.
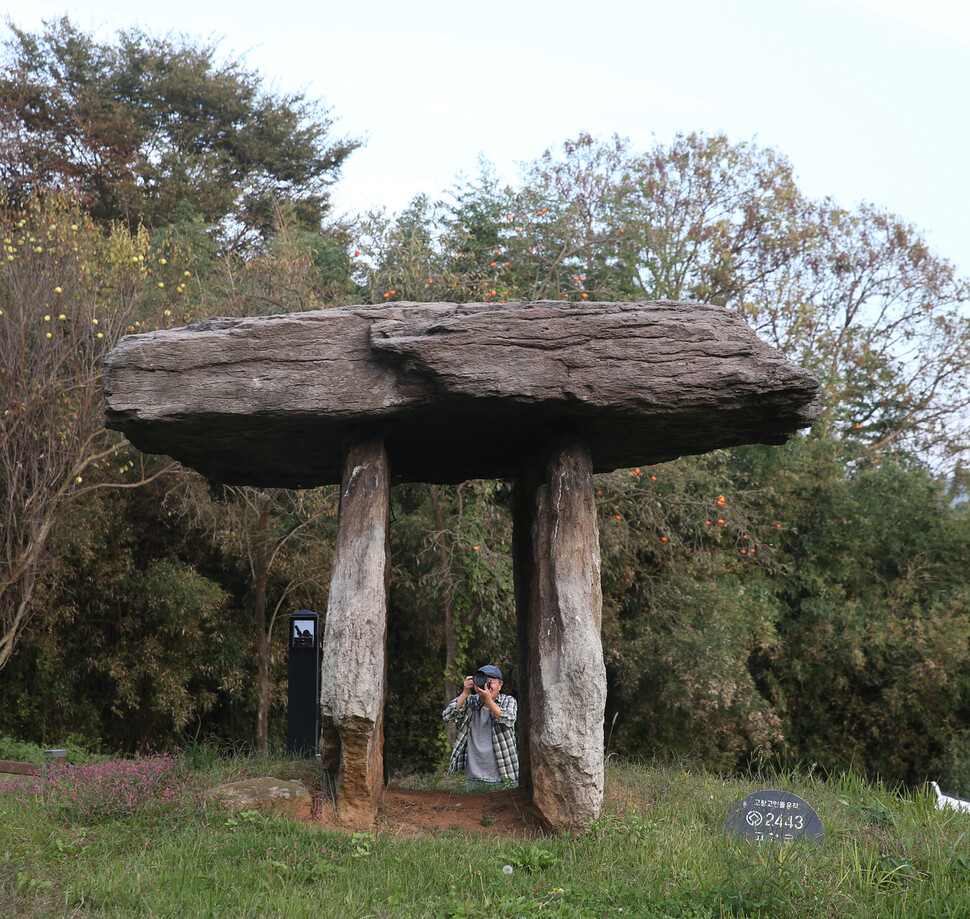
(146,786)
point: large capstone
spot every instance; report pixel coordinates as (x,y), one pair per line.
(453,391)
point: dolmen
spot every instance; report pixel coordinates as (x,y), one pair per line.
(544,394)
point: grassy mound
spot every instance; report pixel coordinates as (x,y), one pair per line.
(658,850)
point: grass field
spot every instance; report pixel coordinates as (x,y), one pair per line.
(138,839)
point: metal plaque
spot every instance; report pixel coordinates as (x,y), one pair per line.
(775,816)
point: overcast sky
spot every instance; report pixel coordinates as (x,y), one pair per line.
(867,98)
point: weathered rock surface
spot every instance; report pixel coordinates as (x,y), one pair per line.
(559,607)
(265,794)
(354,639)
(454,391)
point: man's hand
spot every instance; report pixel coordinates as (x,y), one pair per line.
(466,689)
(486,693)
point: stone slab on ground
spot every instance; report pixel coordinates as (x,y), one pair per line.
(266,794)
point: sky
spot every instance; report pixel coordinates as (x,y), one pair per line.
(868,99)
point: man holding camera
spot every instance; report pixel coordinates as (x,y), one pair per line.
(485,749)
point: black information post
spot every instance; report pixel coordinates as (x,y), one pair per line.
(304,685)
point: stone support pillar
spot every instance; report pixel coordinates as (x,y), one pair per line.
(354,665)
(562,677)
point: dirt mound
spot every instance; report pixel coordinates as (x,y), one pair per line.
(408,812)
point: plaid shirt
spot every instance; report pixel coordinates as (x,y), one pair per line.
(503,736)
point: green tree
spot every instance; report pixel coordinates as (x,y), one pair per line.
(270,534)
(882,321)
(139,125)
(451,606)
(688,599)
(872,670)
(855,295)
(400,257)
(136,636)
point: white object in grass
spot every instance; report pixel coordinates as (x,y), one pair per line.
(944,801)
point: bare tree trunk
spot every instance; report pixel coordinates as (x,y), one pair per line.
(451,637)
(261,576)
(14,622)
(20,570)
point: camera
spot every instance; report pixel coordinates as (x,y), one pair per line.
(480,680)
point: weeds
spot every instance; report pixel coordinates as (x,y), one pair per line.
(766,880)
(146,786)
(532,858)
(630,826)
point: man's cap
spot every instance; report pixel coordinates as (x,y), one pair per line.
(492,671)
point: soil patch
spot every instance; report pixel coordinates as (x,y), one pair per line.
(408,812)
